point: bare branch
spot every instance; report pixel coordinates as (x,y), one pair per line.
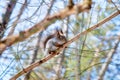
(93,27)
(108,60)
(18,17)
(51,5)
(66,44)
(34,56)
(32,66)
(10,40)
(6,17)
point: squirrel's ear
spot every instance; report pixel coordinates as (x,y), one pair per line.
(60,32)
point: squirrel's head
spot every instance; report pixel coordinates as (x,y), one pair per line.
(61,36)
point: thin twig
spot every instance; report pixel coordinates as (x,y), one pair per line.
(34,56)
(108,60)
(51,5)
(18,17)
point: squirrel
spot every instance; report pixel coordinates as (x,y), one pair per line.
(53,41)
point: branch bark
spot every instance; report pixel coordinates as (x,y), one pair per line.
(10,40)
(66,44)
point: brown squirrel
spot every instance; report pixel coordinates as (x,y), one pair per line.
(53,41)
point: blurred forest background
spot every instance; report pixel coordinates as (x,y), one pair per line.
(94,56)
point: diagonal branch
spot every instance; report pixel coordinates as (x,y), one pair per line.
(6,16)
(108,60)
(93,27)
(32,66)
(18,17)
(78,8)
(66,44)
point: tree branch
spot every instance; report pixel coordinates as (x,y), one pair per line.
(108,60)
(32,66)
(18,17)
(27,77)
(66,44)
(10,40)
(6,16)
(93,27)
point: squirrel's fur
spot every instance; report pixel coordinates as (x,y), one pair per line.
(51,42)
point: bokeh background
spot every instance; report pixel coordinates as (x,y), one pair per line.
(84,59)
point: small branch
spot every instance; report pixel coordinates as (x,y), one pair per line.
(93,61)
(66,44)
(108,60)
(10,40)
(6,16)
(92,28)
(51,5)
(32,66)
(34,56)
(18,17)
